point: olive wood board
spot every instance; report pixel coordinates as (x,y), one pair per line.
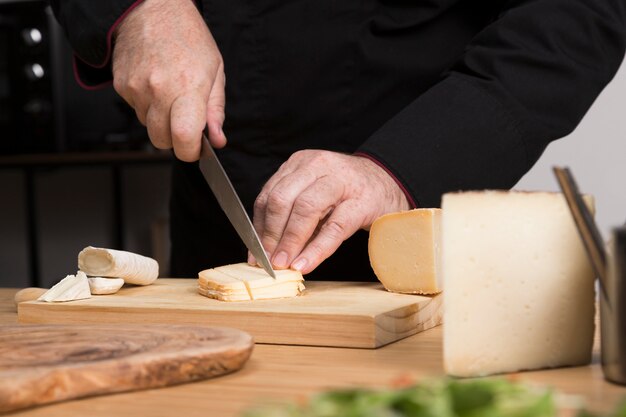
(340,314)
(42,364)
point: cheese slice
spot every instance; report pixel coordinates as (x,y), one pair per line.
(240,282)
(405,251)
(519,288)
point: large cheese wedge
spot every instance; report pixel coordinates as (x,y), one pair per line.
(519,288)
(241,282)
(405,251)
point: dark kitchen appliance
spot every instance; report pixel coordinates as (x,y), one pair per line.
(42,108)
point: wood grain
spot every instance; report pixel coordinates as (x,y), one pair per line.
(278,374)
(28,294)
(343,314)
(42,364)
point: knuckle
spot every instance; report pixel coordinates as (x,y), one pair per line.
(321,157)
(217,106)
(270,239)
(158,137)
(277,202)
(159,144)
(335,228)
(317,249)
(295,236)
(306,207)
(184,156)
(156,82)
(260,202)
(119,85)
(300,155)
(141,116)
(134,85)
(182,132)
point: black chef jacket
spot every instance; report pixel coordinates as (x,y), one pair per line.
(443,94)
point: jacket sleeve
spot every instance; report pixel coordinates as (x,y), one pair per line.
(526,79)
(89,26)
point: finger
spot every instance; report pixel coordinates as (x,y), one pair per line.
(187,118)
(158,124)
(258,218)
(141,106)
(343,222)
(280,202)
(309,208)
(215,111)
(251,259)
(120,85)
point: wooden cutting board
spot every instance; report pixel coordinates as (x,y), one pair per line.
(344,314)
(48,363)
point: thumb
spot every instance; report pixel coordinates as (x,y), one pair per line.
(215,110)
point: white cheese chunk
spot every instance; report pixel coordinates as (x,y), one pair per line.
(131,267)
(405,251)
(70,288)
(102,286)
(519,288)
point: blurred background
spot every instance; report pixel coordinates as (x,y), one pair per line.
(76,168)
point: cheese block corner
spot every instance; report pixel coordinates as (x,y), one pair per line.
(519,288)
(405,251)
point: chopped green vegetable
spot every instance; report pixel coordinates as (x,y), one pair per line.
(438,398)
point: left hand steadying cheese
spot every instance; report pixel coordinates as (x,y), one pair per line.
(318,199)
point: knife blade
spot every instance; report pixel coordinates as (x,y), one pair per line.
(229,201)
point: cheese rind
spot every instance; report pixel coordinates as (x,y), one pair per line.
(405,251)
(519,288)
(243,282)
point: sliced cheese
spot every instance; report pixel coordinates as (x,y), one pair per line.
(216,284)
(70,288)
(240,282)
(405,251)
(519,288)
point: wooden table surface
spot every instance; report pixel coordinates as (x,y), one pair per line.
(279,373)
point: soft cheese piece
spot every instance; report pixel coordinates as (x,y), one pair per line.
(132,268)
(240,282)
(405,251)
(102,286)
(519,288)
(72,287)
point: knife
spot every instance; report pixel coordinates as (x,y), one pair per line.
(229,201)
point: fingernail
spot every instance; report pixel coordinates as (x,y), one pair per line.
(251,259)
(280,260)
(299,264)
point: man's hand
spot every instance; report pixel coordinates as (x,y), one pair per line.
(318,199)
(166,65)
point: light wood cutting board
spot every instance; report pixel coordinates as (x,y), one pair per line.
(345,314)
(42,364)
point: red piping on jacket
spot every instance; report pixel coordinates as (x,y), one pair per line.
(107,57)
(81,83)
(110,35)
